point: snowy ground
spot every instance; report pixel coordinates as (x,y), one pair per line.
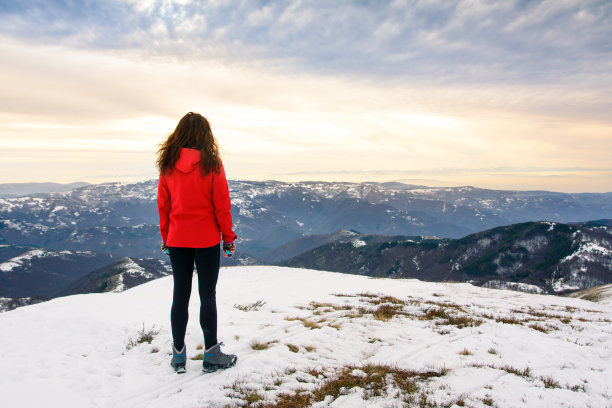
(488,347)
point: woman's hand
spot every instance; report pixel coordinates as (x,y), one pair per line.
(228,249)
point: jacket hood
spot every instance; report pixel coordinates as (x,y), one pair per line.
(188,160)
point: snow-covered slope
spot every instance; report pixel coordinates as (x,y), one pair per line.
(600,294)
(297,329)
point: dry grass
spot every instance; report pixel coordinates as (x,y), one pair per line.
(251,306)
(443,317)
(368,295)
(386,308)
(462,321)
(315,372)
(336,326)
(343,295)
(465,352)
(198,357)
(542,328)
(449,305)
(385,312)
(256,345)
(373,381)
(251,396)
(293,348)
(385,299)
(144,336)
(488,401)
(306,322)
(521,372)
(550,382)
(509,320)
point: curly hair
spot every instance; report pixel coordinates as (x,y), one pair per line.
(193,132)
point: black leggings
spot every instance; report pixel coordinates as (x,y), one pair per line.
(207,263)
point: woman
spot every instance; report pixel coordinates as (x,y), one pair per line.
(194,213)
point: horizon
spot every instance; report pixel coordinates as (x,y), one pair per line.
(411,185)
(503,96)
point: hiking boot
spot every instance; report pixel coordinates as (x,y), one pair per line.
(215,360)
(178,359)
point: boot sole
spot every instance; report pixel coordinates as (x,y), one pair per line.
(179,369)
(211,368)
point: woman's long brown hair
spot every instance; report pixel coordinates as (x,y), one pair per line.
(192,132)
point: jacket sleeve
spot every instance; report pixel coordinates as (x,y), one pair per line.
(222,203)
(163,207)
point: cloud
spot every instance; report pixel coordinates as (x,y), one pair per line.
(103,102)
(504,41)
(341,87)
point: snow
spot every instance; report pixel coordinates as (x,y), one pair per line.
(519,286)
(533,244)
(72,351)
(133,269)
(357,243)
(17,261)
(119,284)
(587,251)
(58,208)
(9,266)
(578,262)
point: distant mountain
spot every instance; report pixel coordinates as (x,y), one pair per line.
(540,257)
(308,242)
(8,190)
(8,304)
(119,276)
(122,218)
(10,251)
(39,272)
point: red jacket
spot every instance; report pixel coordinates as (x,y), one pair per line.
(193,210)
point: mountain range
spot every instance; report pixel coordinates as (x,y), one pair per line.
(30,275)
(121,218)
(539,257)
(48,241)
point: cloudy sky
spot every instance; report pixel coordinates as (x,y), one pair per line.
(498,94)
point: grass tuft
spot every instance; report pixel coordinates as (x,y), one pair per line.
(539,327)
(488,401)
(524,372)
(198,357)
(256,345)
(144,336)
(251,306)
(385,312)
(549,382)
